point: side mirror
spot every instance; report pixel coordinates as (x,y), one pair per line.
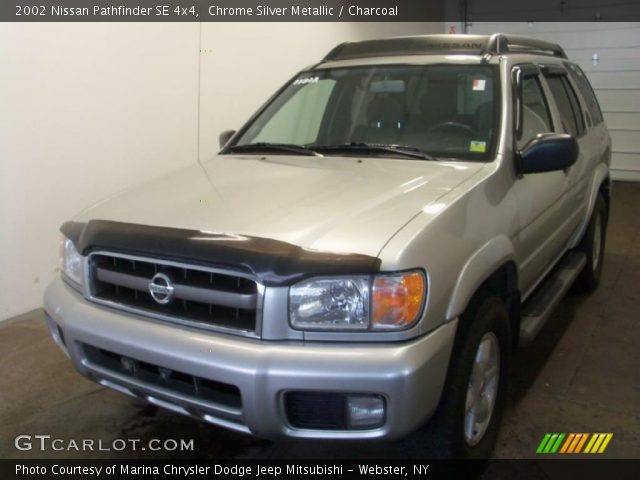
(225,137)
(548,152)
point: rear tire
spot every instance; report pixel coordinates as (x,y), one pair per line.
(482,338)
(592,245)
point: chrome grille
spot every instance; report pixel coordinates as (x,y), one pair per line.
(203,297)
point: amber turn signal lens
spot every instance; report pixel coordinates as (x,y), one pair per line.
(397,300)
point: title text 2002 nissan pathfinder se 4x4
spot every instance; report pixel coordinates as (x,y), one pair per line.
(364,255)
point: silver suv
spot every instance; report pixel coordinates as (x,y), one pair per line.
(365,255)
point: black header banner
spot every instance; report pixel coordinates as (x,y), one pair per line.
(318,10)
(222,10)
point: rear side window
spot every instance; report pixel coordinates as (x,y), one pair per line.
(535,114)
(567,102)
(587,92)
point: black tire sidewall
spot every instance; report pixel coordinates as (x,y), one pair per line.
(589,277)
(486,313)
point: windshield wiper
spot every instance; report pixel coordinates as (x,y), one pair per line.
(406,150)
(266,146)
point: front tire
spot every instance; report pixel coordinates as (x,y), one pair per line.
(592,245)
(467,421)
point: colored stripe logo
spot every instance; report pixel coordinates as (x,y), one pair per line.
(573,443)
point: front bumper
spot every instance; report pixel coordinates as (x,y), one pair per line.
(409,375)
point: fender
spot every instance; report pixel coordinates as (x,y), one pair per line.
(486,260)
(600,173)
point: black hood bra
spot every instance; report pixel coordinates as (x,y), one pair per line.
(272,262)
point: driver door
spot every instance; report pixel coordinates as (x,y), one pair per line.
(540,195)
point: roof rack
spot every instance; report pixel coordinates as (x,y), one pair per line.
(520,44)
(495,44)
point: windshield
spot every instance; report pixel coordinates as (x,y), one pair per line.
(442,110)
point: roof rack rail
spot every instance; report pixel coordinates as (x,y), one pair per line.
(517,43)
(496,44)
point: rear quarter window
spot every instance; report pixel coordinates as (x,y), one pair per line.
(587,93)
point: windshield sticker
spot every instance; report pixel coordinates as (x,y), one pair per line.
(479,85)
(478,147)
(306,80)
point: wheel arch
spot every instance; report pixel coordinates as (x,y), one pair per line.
(492,268)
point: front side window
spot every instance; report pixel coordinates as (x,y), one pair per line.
(443,110)
(535,113)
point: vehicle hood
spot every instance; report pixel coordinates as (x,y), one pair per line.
(333,204)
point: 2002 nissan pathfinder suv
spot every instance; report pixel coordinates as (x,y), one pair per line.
(364,255)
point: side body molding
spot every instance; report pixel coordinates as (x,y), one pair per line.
(487,259)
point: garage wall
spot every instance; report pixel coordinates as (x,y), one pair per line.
(90,109)
(615,76)
(87,110)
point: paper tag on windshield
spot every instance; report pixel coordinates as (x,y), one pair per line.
(479,84)
(478,147)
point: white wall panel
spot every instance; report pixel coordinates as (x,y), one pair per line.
(621,121)
(625,140)
(616,101)
(87,109)
(627,80)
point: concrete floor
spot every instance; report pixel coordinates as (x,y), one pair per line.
(580,375)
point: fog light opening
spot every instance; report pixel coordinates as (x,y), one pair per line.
(365,411)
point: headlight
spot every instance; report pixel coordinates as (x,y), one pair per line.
(383,302)
(330,303)
(70,261)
